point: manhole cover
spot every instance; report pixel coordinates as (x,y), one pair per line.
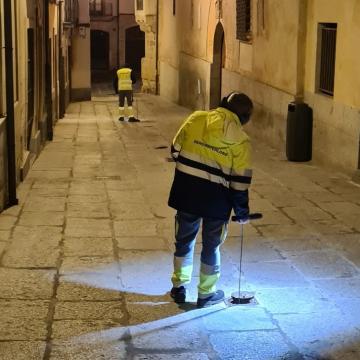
(230,302)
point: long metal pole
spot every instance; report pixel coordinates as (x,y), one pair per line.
(10,116)
(241,252)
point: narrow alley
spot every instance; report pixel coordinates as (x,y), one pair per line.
(86,256)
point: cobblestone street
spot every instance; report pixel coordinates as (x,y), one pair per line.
(86,256)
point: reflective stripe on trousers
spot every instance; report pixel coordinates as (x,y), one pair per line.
(213,235)
(129,111)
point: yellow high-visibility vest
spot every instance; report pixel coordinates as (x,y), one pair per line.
(213,146)
(124,79)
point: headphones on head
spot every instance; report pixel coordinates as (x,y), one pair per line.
(229,98)
(244,118)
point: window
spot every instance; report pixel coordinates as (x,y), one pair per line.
(243,20)
(326,58)
(69,12)
(139,5)
(174,7)
(100,8)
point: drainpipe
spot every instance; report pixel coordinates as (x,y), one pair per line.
(301,49)
(118,33)
(48,84)
(10,116)
(157,48)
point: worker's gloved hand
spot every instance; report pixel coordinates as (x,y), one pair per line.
(243,220)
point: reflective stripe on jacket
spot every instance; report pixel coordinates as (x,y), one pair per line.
(124,79)
(213,170)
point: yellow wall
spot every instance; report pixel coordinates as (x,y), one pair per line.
(347,67)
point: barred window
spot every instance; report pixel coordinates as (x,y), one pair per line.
(243,20)
(326,58)
(139,5)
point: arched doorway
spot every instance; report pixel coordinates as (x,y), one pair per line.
(134,48)
(99,50)
(217,66)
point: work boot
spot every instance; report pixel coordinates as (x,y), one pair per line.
(121,118)
(213,299)
(178,294)
(133,119)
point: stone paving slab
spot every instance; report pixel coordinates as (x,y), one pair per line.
(141,243)
(92,310)
(31,253)
(298,300)
(23,320)
(127,228)
(124,211)
(88,264)
(67,329)
(347,288)
(254,250)
(183,356)
(88,210)
(274,274)
(91,350)
(290,246)
(20,329)
(239,318)
(87,188)
(73,288)
(323,264)
(314,332)
(42,218)
(49,192)
(93,246)
(26,284)
(79,227)
(7,222)
(141,273)
(187,336)
(22,350)
(4,235)
(258,345)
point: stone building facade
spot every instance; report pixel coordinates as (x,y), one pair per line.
(40,80)
(275,51)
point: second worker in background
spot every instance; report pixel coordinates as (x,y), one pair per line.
(123,84)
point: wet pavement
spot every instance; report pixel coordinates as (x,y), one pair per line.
(86,257)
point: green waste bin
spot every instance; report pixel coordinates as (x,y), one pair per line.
(299,132)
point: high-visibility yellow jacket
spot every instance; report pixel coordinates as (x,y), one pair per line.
(213,170)
(124,79)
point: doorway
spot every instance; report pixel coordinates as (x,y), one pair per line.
(217,66)
(134,48)
(99,50)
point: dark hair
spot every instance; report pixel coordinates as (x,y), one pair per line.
(240,104)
